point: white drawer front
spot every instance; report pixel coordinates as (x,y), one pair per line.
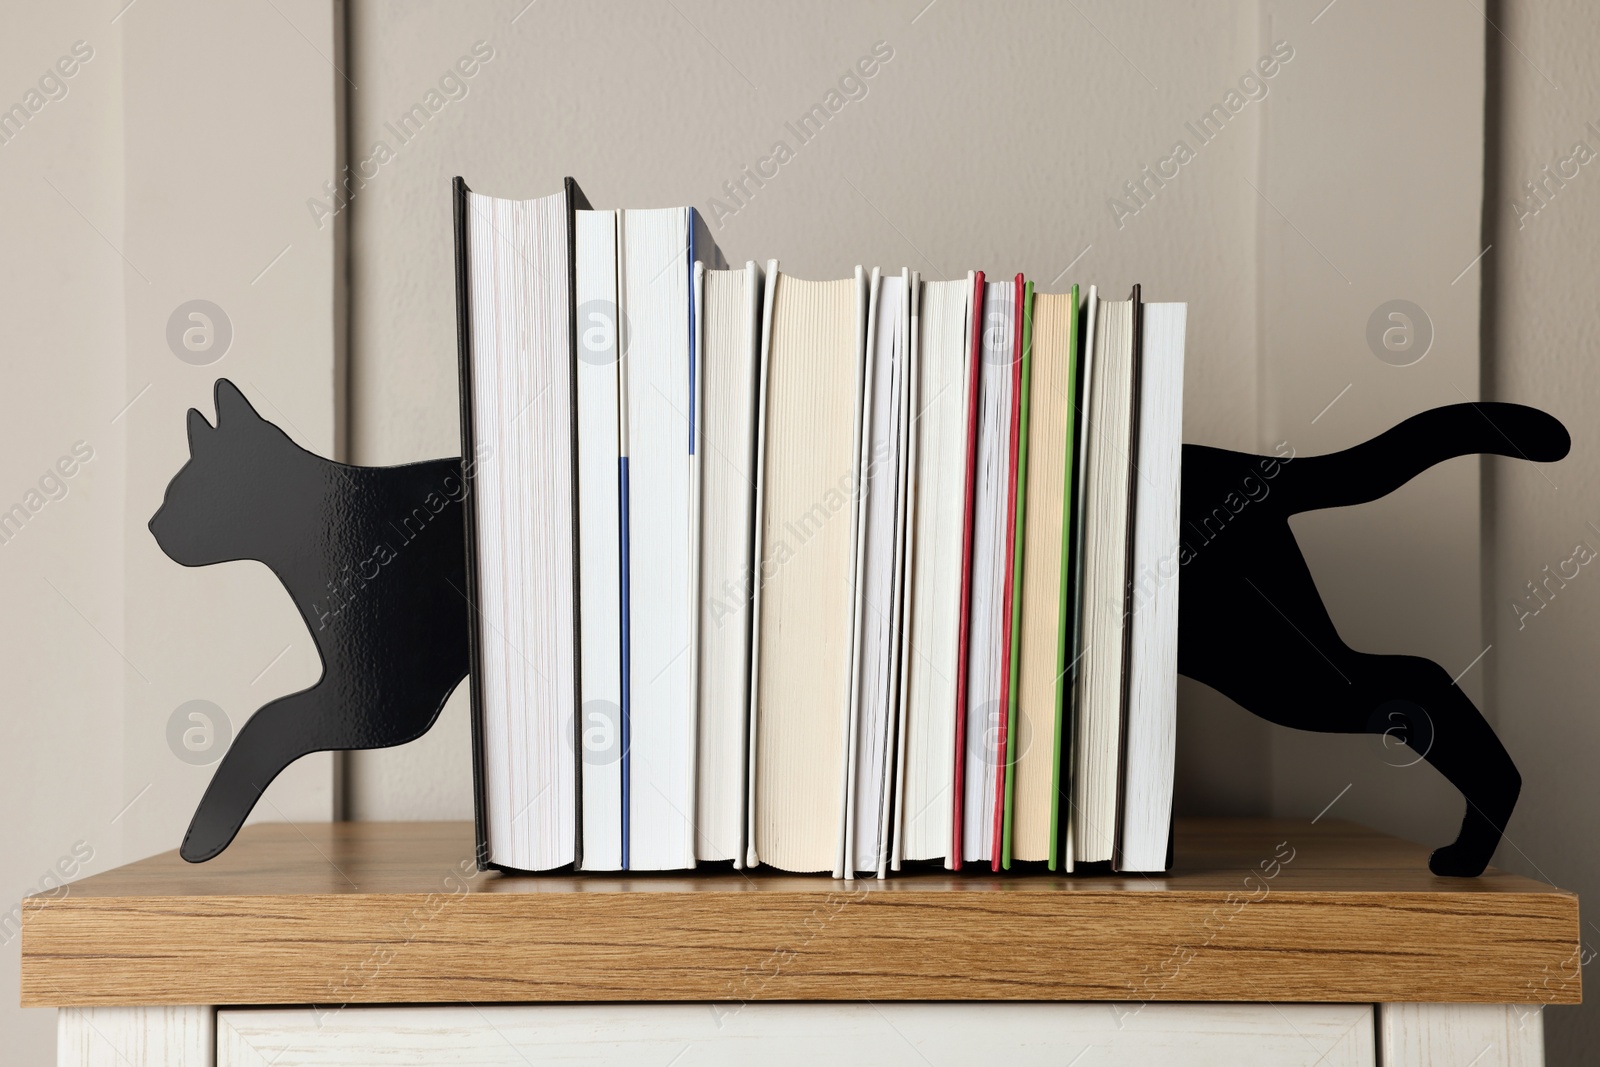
(803,1035)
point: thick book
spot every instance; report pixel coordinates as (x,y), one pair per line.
(657,252)
(1150,730)
(517,335)
(1045,663)
(808,453)
(599,538)
(879,541)
(729,320)
(993,481)
(935,566)
(1102,679)
(1042,604)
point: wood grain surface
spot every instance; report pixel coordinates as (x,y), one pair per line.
(371,913)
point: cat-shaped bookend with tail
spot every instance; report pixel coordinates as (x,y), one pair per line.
(374,558)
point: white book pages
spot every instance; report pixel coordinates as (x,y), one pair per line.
(1152,725)
(656,281)
(876,633)
(906,376)
(987,661)
(938,423)
(520,307)
(599,539)
(1105,570)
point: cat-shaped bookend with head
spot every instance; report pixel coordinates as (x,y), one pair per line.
(374,558)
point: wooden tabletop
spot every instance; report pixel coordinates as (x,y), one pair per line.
(1256,910)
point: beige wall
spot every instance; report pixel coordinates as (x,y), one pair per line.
(1342,233)
(61,575)
(1540,349)
(201,141)
(175,167)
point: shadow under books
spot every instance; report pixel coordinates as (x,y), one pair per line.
(374,559)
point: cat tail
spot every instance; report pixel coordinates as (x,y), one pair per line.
(1381,465)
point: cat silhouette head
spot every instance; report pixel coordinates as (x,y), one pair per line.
(218,505)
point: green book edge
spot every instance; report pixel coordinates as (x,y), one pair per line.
(1062,629)
(1015,671)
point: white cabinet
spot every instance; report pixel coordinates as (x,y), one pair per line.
(802,1035)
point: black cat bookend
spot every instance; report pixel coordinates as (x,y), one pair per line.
(374,558)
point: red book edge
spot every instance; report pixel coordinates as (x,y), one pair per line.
(1001,770)
(973,400)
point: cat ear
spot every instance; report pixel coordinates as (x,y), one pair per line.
(232,407)
(199,430)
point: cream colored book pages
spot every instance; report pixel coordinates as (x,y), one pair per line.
(939,422)
(727,459)
(1049,423)
(803,688)
(1105,548)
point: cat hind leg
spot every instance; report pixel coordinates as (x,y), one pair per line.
(1421,706)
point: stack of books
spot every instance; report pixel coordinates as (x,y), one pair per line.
(832,576)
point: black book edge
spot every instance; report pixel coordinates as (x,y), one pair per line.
(1137,400)
(469,464)
(1072,533)
(575,201)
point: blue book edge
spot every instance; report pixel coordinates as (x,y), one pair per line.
(622,509)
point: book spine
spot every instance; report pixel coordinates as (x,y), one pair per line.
(752,561)
(624,533)
(844,865)
(696,427)
(625,711)
(459,193)
(1069,525)
(905,373)
(1008,587)
(907,565)
(1087,361)
(1022,384)
(863,465)
(1135,394)
(575,201)
(757,553)
(974,400)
